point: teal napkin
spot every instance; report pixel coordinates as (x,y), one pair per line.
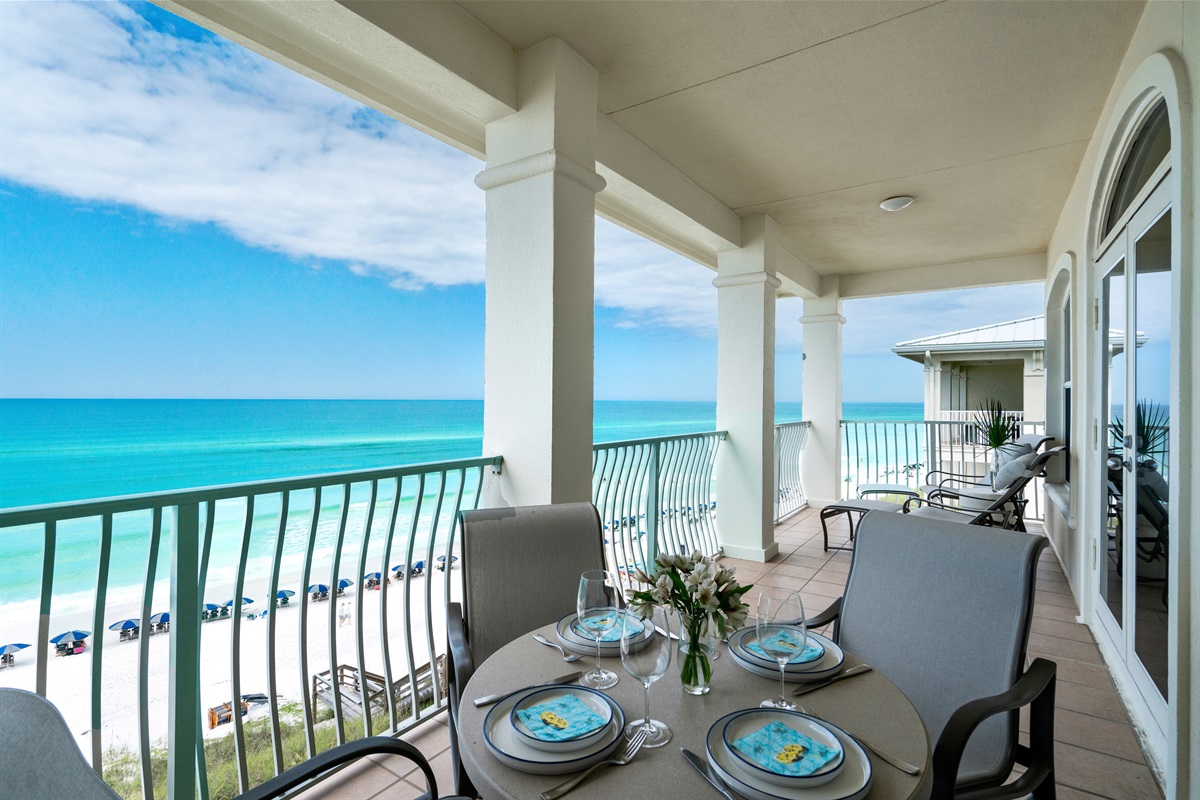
(560,719)
(613,634)
(812,649)
(777,748)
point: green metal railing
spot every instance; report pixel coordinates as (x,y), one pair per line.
(259,537)
(789,447)
(655,495)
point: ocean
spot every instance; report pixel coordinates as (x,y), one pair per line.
(54,451)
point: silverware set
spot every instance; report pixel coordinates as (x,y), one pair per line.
(628,751)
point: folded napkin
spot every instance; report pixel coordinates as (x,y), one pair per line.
(614,633)
(560,719)
(777,748)
(812,648)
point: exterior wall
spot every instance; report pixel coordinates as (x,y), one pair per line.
(999,381)
(1165,50)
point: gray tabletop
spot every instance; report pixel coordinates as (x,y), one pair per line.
(869,706)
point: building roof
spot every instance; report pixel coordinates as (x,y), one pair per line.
(1028,333)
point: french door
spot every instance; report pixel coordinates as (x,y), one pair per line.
(1135,336)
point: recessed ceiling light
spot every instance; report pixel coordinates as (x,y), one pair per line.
(896,203)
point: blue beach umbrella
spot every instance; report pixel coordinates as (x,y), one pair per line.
(318,587)
(161,617)
(344,582)
(70,636)
(211,607)
(398,568)
(373,576)
(282,593)
(9,649)
(246,601)
(125,624)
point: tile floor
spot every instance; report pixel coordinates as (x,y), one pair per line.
(1098,755)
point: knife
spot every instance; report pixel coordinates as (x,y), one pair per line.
(707,771)
(487,700)
(850,673)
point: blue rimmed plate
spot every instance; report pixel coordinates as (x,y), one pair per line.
(745,724)
(506,744)
(853,782)
(814,650)
(598,704)
(826,667)
(577,643)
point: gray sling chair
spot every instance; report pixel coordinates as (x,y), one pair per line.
(44,760)
(945,615)
(1004,509)
(1027,445)
(521,569)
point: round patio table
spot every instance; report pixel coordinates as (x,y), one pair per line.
(868,705)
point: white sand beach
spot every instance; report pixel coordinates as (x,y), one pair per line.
(69,679)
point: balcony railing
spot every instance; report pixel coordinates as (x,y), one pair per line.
(903,452)
(251,540)
(789,447)
(655,495)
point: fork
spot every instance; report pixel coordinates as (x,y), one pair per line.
(627,753)
(898,763)
(568,658)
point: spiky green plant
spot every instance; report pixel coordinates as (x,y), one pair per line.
(995,426)
(1152,426)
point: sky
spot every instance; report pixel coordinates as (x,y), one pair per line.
(180,217)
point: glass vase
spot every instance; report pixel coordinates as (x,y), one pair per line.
(696,649)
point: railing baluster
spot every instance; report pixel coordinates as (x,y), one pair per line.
(360,644)
(384,637)
(144,657)
(184,710)
(430,647)
(272,602)
(50,531)
(418,502)
(95,738)
(239,588)
(201,582)
(335,688)
(310,737)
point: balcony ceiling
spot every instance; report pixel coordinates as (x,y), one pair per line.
(814,112)
(811,112)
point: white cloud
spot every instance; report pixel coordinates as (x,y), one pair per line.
(100,106)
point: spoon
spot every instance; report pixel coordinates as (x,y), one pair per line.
(568,658)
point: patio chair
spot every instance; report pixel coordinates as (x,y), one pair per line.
(45,761)
(1004,509)
(521,568)
(946,617)
(459,669)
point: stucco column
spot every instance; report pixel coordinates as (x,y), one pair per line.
(745,469)
(541,189)
(821,387)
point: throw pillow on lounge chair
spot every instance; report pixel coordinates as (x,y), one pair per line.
(1006,455)
(1010,471)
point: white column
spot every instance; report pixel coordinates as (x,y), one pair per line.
(822,395)
(745,470)
(541,189)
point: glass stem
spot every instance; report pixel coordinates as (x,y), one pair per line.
(782,700)
(597,673)
(646,719)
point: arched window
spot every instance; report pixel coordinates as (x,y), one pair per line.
(1150,148)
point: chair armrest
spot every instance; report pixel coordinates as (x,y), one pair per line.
(342,754)
(917,502)
(825,617)
(961,477)
(958,494)
(1036,689)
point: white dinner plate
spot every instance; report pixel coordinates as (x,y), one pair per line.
(747,722)
(587,647)
(853,782)
(595,701)
(743,636)
(505,743)
(828,666)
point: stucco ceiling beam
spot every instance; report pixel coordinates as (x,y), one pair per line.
(799,279)
(650,196)
(430,65)
(1029,268)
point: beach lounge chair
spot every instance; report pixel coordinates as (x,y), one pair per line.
(7,660)
(850,508)
(973,636)
(417,568)
(997,509)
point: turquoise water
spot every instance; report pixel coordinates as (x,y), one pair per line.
(55,451)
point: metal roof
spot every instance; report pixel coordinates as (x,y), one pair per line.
(1028,333)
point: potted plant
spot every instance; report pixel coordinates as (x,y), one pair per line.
(996,428)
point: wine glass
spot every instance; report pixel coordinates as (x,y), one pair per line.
(782,633)
(599,607)
(647,662)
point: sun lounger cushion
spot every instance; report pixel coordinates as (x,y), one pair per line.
(1014,469)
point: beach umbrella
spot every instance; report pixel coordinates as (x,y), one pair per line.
(398,568)
(318,587)
(70,636)
(246,601)
(161,617)
(211,607)
(9,649)
(125,625)
(282,593)
(373,576)
(344,582)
